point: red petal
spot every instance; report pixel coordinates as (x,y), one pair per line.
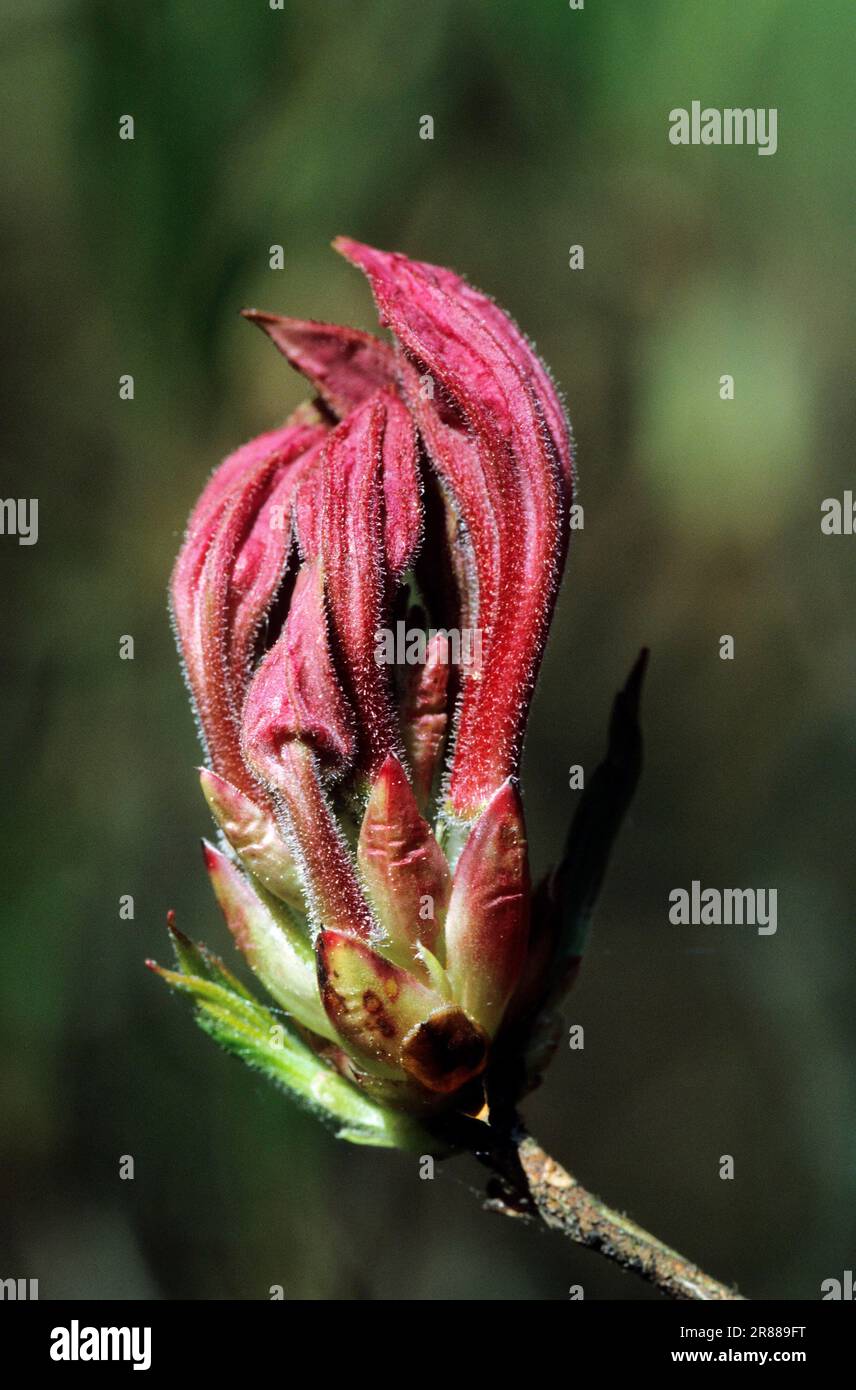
(363,518)
(485,432)
(402,525)
(525,358)
(206,613)
(259,563)
(295,725)
(333,895)
(295,694)
(298,433)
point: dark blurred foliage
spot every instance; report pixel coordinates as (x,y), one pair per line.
(256,127)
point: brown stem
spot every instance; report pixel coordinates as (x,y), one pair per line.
(529,1183)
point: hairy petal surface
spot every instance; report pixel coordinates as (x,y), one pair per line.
(484,427)
(362,521)
(225,578)
(296,729)
(425,717)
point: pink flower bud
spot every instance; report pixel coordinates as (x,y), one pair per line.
(364,528)
(426,490)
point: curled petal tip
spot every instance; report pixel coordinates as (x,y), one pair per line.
(344,365)
(295,694)
(358,252)
(226,575)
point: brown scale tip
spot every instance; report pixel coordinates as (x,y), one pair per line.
(445,1051)
(177,934)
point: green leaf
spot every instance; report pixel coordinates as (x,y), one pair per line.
(195,959)
(264,1040)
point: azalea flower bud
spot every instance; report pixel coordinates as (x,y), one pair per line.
(373,867)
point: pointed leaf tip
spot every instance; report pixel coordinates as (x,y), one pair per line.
(487,925)
(403,867)
(632,692)
(273,948)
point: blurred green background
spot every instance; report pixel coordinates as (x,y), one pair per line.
(256,127)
